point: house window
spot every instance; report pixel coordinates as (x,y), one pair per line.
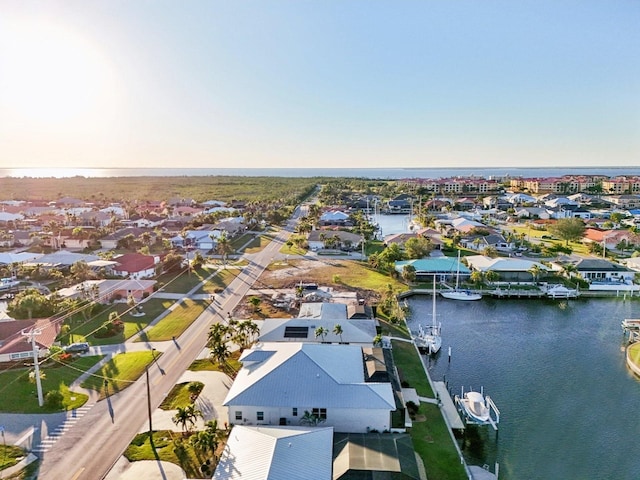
(238,415)
(320,413)
(294,412)
(260,416)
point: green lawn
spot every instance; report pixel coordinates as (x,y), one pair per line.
(258,243)
(634,353)
(204,364)
(121,371)
(430,435)
(83,330)
(175,322)
(220,280)
(185,281)
(179,396)
(19,395)
(292,250)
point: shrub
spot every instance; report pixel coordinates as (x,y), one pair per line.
(53,399)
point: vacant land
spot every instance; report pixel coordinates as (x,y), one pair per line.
(176,322)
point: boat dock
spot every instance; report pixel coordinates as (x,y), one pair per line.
(631,327)
(447,406)
(517,293)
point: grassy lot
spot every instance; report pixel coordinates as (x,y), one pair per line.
(292,250)
(175,322)
(121,371)
(179,396)
(239,242)
(634,353)
(429,433)
(345,273)
(183,282)
(220,280)
(164,448)
(258,243)
(83,330)
(19,395)
(393,330)
(529,233)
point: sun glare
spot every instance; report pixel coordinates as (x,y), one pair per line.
(51,76)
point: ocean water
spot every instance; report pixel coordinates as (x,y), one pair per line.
(381,173)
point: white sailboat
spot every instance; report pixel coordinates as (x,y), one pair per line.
(457,293)
(429,339)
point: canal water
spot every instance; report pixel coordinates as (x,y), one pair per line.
(570,408)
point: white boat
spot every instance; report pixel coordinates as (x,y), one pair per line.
(560,291)
(429,339)
(475,407)
(457,293)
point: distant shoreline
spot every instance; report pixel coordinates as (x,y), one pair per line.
(370,173)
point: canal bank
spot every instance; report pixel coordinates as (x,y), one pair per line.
(557,370)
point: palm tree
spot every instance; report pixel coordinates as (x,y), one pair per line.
(310,419)
(535,272)
(337,330)
(476,277)
(207,440)
(224,248)
(220,353)
(186,417)
(491,276)
(321,332)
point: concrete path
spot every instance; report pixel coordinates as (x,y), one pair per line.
(145,469)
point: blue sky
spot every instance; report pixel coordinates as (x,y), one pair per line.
(312,83)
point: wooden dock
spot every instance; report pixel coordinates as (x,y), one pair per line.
(517,293)
(448,408)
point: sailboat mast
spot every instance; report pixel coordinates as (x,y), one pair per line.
(434,301)
(458,270)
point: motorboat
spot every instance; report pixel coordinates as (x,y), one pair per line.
(429,339)
(475,407)
(560,291)
(457,293)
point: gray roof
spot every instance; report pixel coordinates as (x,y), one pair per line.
(309,374)
(294,453)
(323,311)
(359,456)
(64,257)
(360,331)
(599,265)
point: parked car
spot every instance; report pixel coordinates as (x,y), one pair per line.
(81,347)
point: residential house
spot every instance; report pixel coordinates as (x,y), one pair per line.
(334,217)
(338,239)
(354,332)
(280,381)
(400,204)
(62,259)
(110,241)
(106,291)
(605,275)
(199,239)
(136,265)
(294,453)
(14,345)
(509,270)
(493,240)
(444,268)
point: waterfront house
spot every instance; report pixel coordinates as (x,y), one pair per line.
(105,291)
(334,217)
(354,332)
(509,270)
(337,239)
(278,382)
(277,453)
(605,275)
(444,268)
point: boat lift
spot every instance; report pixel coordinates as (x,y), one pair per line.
(631,327)
(494,414)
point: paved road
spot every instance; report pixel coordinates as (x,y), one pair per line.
(94,444)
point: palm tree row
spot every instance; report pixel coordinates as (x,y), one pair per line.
(241,333)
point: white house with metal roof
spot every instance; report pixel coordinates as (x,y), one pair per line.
(279,382)
(508,269)
(294,453)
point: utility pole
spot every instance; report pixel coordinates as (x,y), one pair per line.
(36,362)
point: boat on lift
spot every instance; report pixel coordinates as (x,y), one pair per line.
(457,293)
(631,324)
(475,406)
(429,339)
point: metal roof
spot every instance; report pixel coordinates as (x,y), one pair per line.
(294,453)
